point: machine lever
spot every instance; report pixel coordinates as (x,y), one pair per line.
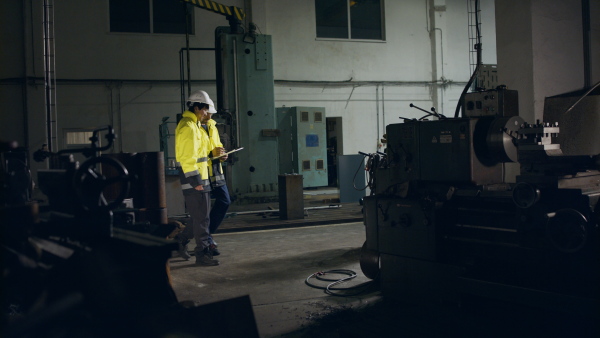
(426,112)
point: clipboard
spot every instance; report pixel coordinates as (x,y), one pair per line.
(227,153)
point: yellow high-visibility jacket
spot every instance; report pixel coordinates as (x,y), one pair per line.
(192,146)
(215,170)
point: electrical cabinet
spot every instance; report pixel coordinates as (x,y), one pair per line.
(303,144)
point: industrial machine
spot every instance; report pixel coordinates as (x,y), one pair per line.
(245,103)
(442,222)
(86,262)
(247,117)
(245,100)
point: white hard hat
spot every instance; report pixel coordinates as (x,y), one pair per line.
(211,106)
(199,96)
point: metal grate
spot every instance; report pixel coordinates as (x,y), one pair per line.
(306,165)
(318,117)
(320,165)
(304,116)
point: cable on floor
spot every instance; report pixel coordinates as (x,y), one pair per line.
(329,289)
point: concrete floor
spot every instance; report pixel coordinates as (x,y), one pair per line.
(271,267)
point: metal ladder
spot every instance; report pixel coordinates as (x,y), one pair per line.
(474,24)
(50,75)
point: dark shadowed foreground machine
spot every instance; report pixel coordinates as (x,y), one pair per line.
(87,264)
(443,224)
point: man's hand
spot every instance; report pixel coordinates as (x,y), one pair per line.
(199,187)
(220,151)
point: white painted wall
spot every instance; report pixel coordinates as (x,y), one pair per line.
(132,80)
(371,84)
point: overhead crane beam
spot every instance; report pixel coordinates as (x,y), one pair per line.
(231,12)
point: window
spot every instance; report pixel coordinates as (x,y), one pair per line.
(78,138)
(350,19)
(149,16)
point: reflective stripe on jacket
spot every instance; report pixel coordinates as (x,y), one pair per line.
(191,148)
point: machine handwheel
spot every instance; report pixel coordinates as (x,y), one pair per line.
(90,185)
(369,262)
(525,195)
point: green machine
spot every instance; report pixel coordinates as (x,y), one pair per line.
(245,103)
(303,144)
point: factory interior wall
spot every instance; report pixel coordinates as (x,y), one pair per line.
(132,80)
(93,52)
(12,103)
(371,84)
(365,109)
(547,59)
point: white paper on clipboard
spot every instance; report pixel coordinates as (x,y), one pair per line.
(227,153)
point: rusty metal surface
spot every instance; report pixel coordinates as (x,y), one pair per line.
(151,190)
(291,203)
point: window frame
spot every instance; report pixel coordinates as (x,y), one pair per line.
(191,32)
(349,25)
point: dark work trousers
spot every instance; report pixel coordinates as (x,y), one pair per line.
(198,206)
(219,209)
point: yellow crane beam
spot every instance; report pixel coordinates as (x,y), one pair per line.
(213,6)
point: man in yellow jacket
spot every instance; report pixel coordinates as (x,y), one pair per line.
(192,147)
(219,190)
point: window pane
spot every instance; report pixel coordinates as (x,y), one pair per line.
(78,137)
(332,18)
(169,16)
(366,19)
(129,16)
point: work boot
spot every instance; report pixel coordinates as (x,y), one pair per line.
(204,257)
(213,250)
(183,248)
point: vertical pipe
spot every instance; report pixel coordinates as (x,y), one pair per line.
(187,48)
(587,69)
(439,88)
(377,110)
(111,111)
(431,29)
(236,123)
(383,103)
(181,80)
(53,82)
(46,84)
(222,64)
(119,117)
(24,96)
(248,11)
